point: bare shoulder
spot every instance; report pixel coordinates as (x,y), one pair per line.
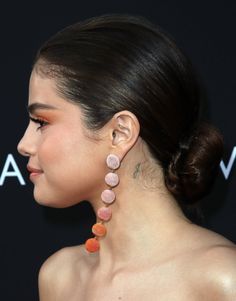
(215,266)
(57,272)
(218,266)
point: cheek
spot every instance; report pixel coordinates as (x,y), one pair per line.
(72,168)
(50,150)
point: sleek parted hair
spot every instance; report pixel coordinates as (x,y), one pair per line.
(115,62)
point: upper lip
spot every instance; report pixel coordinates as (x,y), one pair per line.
(32,169)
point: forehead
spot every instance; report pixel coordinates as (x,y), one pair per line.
(44,99)
(43,95)
(42,89)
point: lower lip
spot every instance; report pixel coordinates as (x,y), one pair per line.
(34,175)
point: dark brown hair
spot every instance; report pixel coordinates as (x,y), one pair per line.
(113,62)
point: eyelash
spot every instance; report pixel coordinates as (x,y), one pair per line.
(39,121)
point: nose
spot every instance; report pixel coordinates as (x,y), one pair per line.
(26,146)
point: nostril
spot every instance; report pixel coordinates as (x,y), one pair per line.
(24,153)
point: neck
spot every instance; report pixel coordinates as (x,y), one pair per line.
(144,222)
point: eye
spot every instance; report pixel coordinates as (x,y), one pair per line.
(39,121)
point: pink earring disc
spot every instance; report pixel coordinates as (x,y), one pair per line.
(113,161)
(104,213)
(112,179)
(108,196)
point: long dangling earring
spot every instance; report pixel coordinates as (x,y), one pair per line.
(108,196)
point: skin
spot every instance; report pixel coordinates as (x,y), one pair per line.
(151,250)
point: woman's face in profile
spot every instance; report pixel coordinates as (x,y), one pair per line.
(57,145)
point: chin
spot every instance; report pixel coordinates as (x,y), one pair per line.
(53,202)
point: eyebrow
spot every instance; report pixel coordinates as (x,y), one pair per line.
(39,106)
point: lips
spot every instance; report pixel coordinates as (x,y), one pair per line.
(34,171)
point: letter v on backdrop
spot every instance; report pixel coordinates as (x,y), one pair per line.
(226,169)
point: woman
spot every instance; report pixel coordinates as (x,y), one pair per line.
(115,119)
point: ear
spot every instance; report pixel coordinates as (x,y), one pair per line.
(125,129)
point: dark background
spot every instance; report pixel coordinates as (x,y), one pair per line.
(29,232)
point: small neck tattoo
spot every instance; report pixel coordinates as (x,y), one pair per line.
(137,170)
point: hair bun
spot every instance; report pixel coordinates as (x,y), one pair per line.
(193,169)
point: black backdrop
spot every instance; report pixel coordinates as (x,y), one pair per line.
(29,232)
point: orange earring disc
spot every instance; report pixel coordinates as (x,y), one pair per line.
(99,229)
(92,245)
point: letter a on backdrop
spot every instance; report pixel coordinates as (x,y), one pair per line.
(14,172)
